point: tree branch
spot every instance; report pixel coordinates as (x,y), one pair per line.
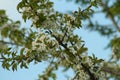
(86,69)
(5,42)
(110,15)
(111,71)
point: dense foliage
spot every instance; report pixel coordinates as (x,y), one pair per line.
(51,38)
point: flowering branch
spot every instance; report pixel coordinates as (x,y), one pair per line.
(86,69)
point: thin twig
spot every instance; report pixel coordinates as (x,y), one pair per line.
(5,42)
(111,71)
(65,34)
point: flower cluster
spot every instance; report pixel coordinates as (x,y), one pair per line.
(26,9)
(43,43)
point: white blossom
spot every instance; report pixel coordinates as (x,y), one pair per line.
(35,19)
(27,50)
(39,10)
(26,9)
(39,4)
(42,47)
(49,24)
(68,23)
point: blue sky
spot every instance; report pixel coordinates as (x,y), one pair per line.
(93,41)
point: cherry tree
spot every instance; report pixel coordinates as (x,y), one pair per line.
(51,38)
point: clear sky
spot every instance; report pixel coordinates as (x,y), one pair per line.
(93,41)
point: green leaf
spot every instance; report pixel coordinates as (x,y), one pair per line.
(5,31)
(7,66)
(23,64)
(2,12)
(22,51)
(14,67)
(94,3)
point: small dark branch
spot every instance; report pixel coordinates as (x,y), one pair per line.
(86,69)
(4,42)
(114,22)
(65,34)
(51,62)
(63,45)
(71,43)
(2,58)
(91,75)
(87,8)
(59,41)
(111,71)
